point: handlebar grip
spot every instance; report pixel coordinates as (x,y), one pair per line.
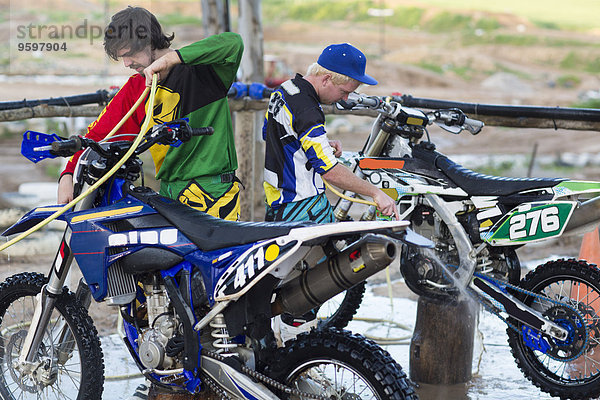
(473,125)
(64,148)
(205,131)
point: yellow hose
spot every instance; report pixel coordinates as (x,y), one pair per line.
(131,111)
(343,196)
(114,169)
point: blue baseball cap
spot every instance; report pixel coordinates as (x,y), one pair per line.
(347,60)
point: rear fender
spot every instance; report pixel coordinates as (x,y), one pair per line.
(576,188)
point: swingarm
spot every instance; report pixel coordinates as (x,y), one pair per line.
(516,309)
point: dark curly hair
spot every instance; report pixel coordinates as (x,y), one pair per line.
(134,28)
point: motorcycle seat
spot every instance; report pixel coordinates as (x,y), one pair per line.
(208,232)
(476,184)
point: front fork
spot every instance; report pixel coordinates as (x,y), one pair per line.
(45,301)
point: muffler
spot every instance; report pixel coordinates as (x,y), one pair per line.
(354,264)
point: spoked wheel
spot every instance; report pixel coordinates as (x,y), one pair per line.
(338,365)
(569,368)
(338,311)
(68,364)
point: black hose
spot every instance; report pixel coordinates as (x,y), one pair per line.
(100,97)
(473,109)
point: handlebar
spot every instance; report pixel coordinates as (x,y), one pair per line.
(371,102)
(172,133)
(205,131)
(453,119)
(66,148)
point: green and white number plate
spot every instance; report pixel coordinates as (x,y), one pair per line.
(530,222)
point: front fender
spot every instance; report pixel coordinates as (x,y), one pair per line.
(32,218)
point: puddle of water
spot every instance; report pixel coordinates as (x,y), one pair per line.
(495,374)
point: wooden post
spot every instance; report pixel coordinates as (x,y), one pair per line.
(215,16)
(441,349)
(245,145)
(248,126)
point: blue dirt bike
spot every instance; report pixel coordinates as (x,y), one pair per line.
(196,293)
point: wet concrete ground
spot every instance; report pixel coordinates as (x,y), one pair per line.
(495,374)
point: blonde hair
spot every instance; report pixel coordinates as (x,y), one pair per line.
(337,79)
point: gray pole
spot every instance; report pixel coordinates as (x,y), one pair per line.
(248,140)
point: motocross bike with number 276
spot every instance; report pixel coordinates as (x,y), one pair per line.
(196,293)
(476,222)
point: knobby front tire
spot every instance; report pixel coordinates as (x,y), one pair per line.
(70,350)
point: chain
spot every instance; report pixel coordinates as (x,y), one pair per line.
(494,310)
(214,386)
(269,381)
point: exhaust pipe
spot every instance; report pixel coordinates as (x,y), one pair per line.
(354,264)
(585,218)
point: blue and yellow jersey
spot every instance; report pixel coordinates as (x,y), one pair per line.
(297,149)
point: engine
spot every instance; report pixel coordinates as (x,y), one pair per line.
(158,343)
(425,270)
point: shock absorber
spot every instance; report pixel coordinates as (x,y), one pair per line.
(484,262)
(222,342)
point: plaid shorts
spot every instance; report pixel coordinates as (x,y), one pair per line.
(316,208)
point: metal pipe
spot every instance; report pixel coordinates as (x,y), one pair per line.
(354,264)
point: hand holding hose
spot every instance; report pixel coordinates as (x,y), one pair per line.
(161,67)
(385,204)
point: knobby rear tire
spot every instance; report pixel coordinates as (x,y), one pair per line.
(355,354)
(577,283)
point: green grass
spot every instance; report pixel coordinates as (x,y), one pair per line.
(576,61)
(572,14)
(547,14)
(501,169)
(179,19)
(592,103)
(568,81)
(499,67)
(438,69)
(447,22)
(406,17)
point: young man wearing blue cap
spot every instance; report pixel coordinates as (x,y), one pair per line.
(298,152)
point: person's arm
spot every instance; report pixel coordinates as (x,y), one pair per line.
(343,178)
(97,130)
(222,51)
(65,188)
(161,66)
(320,154)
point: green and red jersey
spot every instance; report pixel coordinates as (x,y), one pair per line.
(196,89)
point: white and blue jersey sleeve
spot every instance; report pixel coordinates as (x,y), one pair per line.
(297,150)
